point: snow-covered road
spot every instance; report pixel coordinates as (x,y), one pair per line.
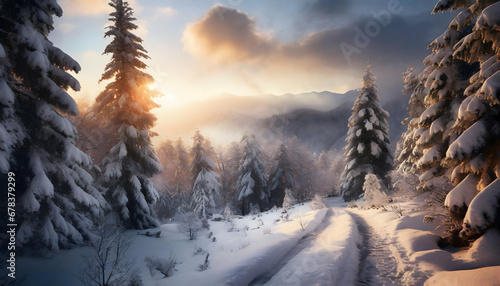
(345,249)
(328,256)
(305,242)
(377,266)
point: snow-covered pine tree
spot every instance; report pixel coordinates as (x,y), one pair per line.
(56,202)
(251,186)
(323,178)
(281,178)
(324,161)
(11,134)
(447,78)
(181,182)
(289,200)
(181,185)
(304,169)
(368,143)
(126,103)
(406,153)
(167,156)
(372,189)
(206,186)
(228,162)
(474,156)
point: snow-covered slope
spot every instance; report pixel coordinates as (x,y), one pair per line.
(332,246)
(256,244)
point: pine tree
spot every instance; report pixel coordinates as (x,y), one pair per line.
(126,103)
(473,157)
(447,78)
(167,155)
(206,186)
(368,148)
(288,200)
(281,178)
(181,183)
(373,191)
(11,133)
(324,178)
(324,161)
(56,201)
(251,186)
(304,169)
(406,153)
(228,162)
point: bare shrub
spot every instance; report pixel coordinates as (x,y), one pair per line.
(189,223)
(164,266)
(108,265)
(398,211)
(205,265)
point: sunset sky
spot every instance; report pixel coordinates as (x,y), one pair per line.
(200,49)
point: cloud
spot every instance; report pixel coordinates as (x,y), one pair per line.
(167,12)
(225,35)
(329,7)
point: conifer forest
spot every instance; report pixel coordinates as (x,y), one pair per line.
(238,142)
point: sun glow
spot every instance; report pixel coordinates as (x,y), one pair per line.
(153,85)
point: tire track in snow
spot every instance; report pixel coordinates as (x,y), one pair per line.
(305,242)
(378,266)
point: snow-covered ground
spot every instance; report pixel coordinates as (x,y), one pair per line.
(333,246)
(413,245)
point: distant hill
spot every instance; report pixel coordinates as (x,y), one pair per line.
(318,119)
(325,130)
(227,116)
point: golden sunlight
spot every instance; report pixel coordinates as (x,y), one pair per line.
(153,85)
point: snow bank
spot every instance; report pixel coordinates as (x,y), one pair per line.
(486,276)
(485,251)
(415,245)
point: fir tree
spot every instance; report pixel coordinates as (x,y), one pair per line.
(324,161)
(325,176)
(56,202)
(445,83)
(126,103)
(368,148)
(251,184)
(11,133)
(206,186)
(473,157)
(228,162)
(304,169)
(373,193)
(281,178)
(167,156)
(181,182)
(288,200)
(406,153)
